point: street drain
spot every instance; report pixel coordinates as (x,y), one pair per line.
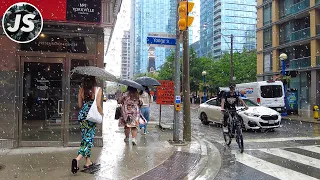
(2,167)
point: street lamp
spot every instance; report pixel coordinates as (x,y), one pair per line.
(283,57)
(204,73)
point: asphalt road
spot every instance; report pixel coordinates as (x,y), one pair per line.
(290,152)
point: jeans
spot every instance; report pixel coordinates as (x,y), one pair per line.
(145,111)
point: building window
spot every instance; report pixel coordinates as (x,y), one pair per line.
(267,14)
(267,38)
(267,62)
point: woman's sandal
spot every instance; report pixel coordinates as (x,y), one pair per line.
(85,166)
(74,166)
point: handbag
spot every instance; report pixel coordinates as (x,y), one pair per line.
(118,113)
(93,114)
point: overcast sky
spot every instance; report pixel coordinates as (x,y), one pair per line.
(113,57)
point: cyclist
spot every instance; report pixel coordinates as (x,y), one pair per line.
(229,101)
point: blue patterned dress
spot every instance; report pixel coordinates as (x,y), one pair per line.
(88,130)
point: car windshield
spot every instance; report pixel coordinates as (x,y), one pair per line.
(248,102)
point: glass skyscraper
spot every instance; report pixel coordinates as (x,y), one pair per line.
(221,18)
(151,16)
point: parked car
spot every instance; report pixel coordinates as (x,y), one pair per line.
(256,117)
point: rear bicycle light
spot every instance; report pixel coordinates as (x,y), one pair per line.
(258,100)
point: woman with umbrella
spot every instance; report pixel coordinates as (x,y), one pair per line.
(86,97)
(130,113)
(146,99)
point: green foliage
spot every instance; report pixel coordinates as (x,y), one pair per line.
(244,67)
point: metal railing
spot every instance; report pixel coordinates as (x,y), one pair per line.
(296,35)
(295,8)
(300,63)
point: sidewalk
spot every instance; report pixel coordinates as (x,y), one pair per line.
(301,118)
(153,158)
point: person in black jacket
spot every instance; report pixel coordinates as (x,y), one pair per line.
(229,101)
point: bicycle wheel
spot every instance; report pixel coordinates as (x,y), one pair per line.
(239,138)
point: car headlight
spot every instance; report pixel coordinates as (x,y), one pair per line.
(252,114)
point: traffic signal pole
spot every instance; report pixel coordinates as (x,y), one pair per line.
(177,78)
(184,22)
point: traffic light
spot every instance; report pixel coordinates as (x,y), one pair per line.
(185,21)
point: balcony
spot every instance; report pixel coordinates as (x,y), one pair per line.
(296,35)
(299,63)
(298,7)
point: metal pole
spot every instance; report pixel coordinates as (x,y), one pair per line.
(204,89)
(160,110)
(231,58)
(284,87)
(186,88)
(177,78)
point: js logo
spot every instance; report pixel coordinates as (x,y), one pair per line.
(22,22)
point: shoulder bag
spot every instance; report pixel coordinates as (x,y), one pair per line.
(93,114)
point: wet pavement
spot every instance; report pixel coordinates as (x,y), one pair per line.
(153,156)
(290,152)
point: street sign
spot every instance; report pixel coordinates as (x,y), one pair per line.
(165,92)
(161,40)
(178,99)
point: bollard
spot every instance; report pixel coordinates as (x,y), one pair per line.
(315,112)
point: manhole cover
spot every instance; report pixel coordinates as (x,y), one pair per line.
(2,167)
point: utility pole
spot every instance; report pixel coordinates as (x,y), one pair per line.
(177,78)
(231,60)
(186,89)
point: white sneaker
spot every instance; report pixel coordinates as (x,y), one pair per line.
(225,129)
(134,141)
(126,139)
(142,130)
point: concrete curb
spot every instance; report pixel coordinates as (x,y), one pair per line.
(303,120)
(209,164)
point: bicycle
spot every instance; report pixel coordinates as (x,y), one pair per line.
(234,127)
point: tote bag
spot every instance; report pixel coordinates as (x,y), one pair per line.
(93,114)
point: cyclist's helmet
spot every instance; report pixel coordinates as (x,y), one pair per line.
(232,86)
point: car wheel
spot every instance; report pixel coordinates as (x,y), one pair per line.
(204,119)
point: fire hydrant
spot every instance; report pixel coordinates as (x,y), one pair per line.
(315,112)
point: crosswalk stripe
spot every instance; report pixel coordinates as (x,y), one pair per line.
(270,168)
(293,157)
(311,148)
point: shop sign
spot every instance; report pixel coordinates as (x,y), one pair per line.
(84,10)
(53,43)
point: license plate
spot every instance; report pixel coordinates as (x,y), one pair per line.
(271,122)
(278,109)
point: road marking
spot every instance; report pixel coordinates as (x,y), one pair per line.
(276,139)
(293,156)
(269,168)
(314,149)
(282,139)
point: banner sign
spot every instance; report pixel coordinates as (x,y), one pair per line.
(63,10)
(165,93)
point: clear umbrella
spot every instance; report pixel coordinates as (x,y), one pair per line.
(94,71)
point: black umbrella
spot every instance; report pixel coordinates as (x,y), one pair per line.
(131,83)
(147,81)
(94,71)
